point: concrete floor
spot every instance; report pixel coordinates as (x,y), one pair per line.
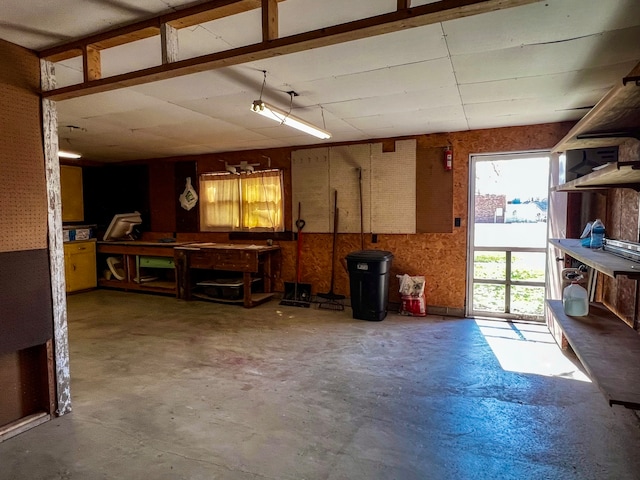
(164,389)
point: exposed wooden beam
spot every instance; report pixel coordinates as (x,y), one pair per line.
(216,13)
(442,11)
(91,64)
(186,17)
(269,20)
(66,55)
(169,43)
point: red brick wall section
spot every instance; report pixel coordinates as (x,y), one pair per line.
(490,208)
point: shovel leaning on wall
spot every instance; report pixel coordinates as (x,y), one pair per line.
(297,294)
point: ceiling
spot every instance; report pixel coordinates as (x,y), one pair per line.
(544,62)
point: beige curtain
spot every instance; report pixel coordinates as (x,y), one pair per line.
(219,203)
(242,202)
(262,202)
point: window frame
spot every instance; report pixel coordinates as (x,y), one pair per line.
(240,220)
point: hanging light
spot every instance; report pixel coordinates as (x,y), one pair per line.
(286,118)
(63,154)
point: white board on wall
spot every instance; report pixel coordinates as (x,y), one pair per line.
(310,188)
(387,182)
(393,188)
(345,165)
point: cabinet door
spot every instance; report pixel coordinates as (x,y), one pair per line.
(80,266)
(71,192)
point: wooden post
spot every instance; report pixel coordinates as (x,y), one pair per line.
(404,4)
(169,40)
(91,63)
(269,20)
(56,251)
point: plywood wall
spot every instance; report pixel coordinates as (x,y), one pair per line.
(26,318)
(619,210)
(23,201)
(441,257)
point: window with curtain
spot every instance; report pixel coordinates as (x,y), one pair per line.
(246,202)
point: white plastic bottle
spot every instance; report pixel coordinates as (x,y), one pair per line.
(597,234)
(575,300)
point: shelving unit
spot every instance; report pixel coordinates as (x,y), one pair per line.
(139,261)
(613,175)
(608,349)
(599,260)
(611,122)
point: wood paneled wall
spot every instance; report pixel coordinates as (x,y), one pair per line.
(26,318)
(618,208)
(441,257)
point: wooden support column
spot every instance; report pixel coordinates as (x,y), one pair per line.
(404,4)
(169,41)
(91,63)
(269,20)
(56,251)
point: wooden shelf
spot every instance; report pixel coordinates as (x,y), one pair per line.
(617,112)
(600,260)
(612,175)
(609,350)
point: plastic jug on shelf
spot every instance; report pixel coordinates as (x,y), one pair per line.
(575,299)
(597,234)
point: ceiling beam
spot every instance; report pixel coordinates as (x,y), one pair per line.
(185,17)
(441,11)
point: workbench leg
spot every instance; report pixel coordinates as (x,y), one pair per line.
(266,274)
(246,278)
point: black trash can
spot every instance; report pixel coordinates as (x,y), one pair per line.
(369,283)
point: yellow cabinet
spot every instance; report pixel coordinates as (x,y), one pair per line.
(80,265)
(71,193)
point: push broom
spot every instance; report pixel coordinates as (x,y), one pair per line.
(331,299)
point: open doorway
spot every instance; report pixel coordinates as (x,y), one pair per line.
(508,201)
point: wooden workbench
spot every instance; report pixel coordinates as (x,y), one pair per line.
(252,261)
(134,255)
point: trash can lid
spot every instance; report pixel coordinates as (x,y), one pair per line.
(370,256)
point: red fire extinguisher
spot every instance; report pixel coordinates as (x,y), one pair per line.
(448,159)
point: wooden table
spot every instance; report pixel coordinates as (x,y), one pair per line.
(253,261)
(132,253)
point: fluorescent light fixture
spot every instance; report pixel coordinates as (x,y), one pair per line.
(63,154)
(285,118)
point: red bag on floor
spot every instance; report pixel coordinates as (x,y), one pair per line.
(413,298)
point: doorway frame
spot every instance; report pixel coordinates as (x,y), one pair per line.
(471,249)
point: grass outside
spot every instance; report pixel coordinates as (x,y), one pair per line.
(525,266)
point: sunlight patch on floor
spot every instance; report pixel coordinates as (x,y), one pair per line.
(528,348)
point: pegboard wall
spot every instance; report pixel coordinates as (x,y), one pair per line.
(23,194)
(385,182)
(310,180)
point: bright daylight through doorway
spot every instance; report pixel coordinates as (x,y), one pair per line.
(508,236)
